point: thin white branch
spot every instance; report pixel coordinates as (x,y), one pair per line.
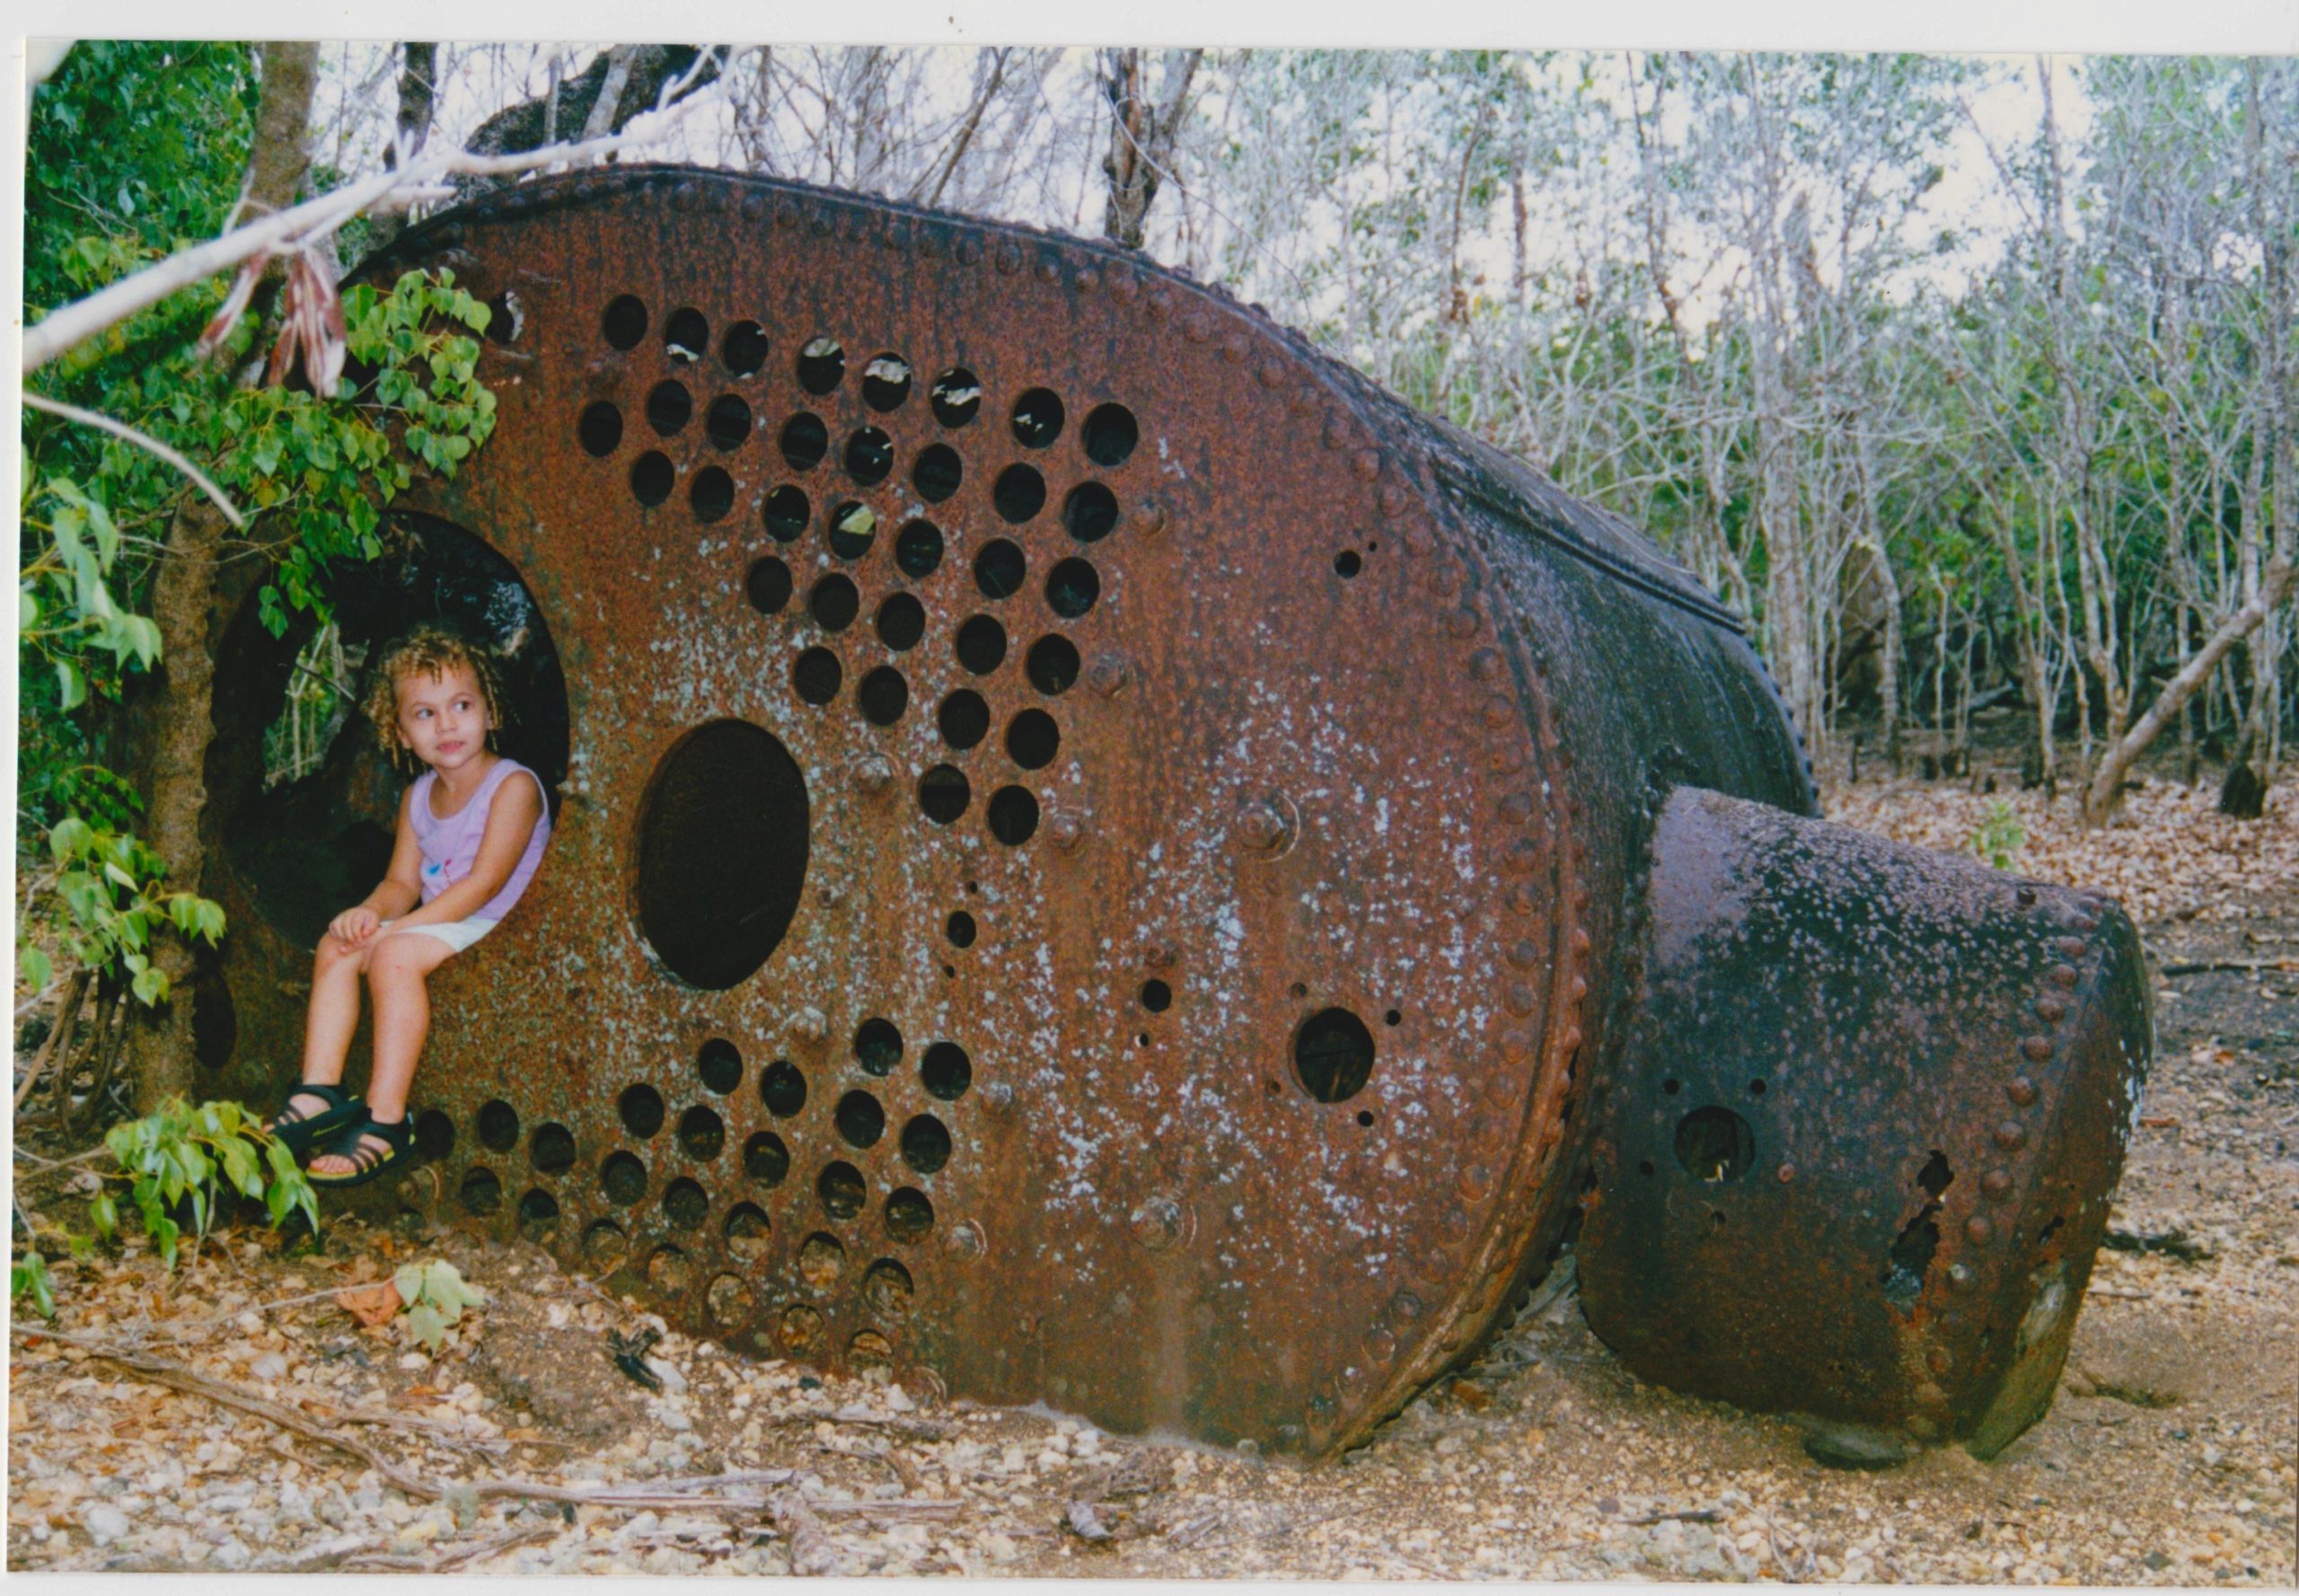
(144,441)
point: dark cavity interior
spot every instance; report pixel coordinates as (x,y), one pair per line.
(722,852)
(1333,1054)
(1714,1144)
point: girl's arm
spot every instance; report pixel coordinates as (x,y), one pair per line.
(511,818)
(401,889)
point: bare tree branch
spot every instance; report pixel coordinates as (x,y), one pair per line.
(144,441)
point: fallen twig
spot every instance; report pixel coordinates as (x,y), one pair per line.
(811,1549)
(2229,966)
(900,1467)
(1686,1515)
(508,1541)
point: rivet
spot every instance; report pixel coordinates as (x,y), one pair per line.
(1959,1277)
(1234,349)
(819,223)
(1580,943)
(1572,1039)
(1393,499)
(1197,327)
(1786,1174)
(1498,712)
(1980,1230)
(1524,954)
(1455,1227)
(1009,259)
(1335,433)
(1523,854)
(1922,1427)
(873,774)
(1087,279)
(1262,826)
(1148,517)
(1580,988)
(786,213)
(999,1095)
(2021,1090)
(1502,1086)
(1125,287)
(753,206)
(2037,1048)
(1365,464)
(1404,1308)
(2071,947)
(1460,623)
(1270,374)
(2063,975)
(1381,1346)
(1996,1185)
(1157,1223)
(1521,899)
(1521,999)
(931,244)
(1106,674)
(1517,809)
(1301,402)
(1506,758)
(1484,665)
(969,250)
(1046,270)
(2026,896)
(966,1240)
(1066,832)
(1930,1394)
(2010,1135)
(1516,1047)
(1161,954)
(807,1025)
(829,894)
(2050,1009)
(1418,542)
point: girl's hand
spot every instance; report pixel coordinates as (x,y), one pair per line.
(353,926)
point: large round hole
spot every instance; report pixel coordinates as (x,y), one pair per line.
(888,1288)
(943,793)
(686,336)
(765,1160)
(833,603)
(786,513)
(1013,816)
(719,1064)
(842,1190)
(622,1178)
(669,408)
(878,1046)
(1071,588)
(1038,417)
(744,351)
(746,1230)
(1157,996)
(902,621)
(869,456)
(701,1134)
(852,529)
(600,430)
(886,381)
(605,1245)
(981,645)
(963,718)
(1019,494)
(625,322)
(1091,512)
(498,1126)
(1715,1145)
(822,365)
(1109,433)
(815,675)
(925,1143)
(805,441)
(652,477)
(821,1261)
(961,930)
(729,1301)
(882,696)
(641,1108)
(481,1193)
(1332,1054)
(767,585)
(1052,665)
(722,852)
(936,473)
(1348,562)
(861,1120)
(728,422)
(782,1088)
(799,1329)
(869,1350)
(1033,739)
(909,1214)
(668,1270)
(551,1151)
(955,396)
(712,495)
(945,1071)
(917,550)
(1000,569)
(537,1215)
(685,1202)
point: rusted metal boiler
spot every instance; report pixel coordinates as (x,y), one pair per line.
(1104,861)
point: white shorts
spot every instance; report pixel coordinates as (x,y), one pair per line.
(457,934)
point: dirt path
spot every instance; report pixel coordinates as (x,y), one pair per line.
(2167,1459)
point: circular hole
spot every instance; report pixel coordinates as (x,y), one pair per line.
(1091,512)
(1038,417)
(937,472)
(902,621)
(1019,494)
(821,1261)
(816,674)
(728,422)
(1052,665)
(1013,815)
(909,1214)
(1300,990)
(1644,1166)
(729,1301)
(1033,739)
(1110,434)
(878,1046)
(498,1126)
(943,794)
(767,584)
(782,1088)
(833,603)
(722,852)
(963,718)
(743,351)
(883,695)
(701,1134)
(480,1193)
(537,1215)
(861,1120)
(651,478)
(1000,569)
(1157,996)
(917,550)
(685,1202)
(552,1150)
(1365,1118)
(822,365)
(625,322)
(799,1329)
(869,456)
(960,928)
(1141,1039)
(842,1190)
(600,430)
(945,1071)
(852,528)
(1672,1087)
(624,1178)
(1755,1089)
(668,1271)
(805,441)
(712,495)
(746,1230)
(1347,562)
(925,1144)
(955,396)
(720,1064)
(641,1108)
(869,1350)
(1714,1144)
(1333,1054)
(786,513)
(1393,1018)
(765,1160)
(981,645)
(604,1244)
(887,1287)
(886,381)
(686,335)
(669,408)
(1071,588)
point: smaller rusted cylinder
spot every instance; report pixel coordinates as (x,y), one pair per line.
(1870,1115)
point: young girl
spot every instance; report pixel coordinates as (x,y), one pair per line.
(471,830)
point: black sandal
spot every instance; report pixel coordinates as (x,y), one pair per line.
(367,1162)
(299,1132)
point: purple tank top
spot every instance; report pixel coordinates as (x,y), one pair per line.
(451,846)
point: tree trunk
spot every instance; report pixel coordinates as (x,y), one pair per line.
(176,727)
(419,90)
(1141,138)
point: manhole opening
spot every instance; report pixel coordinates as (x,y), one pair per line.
(1033,739)
(815,675)
(767,585)
(917,550)
(722,852)
(552,1150)
(943,794)
(744,350)
(481,1193)
(712,495)
(909,1214)
(869,456)
(805,441)
(1091,512)
(747,1231)
(599,430)
(1013,815)
(622,1178)
(960,928)
(538,1214)
(853,528)
(883,695)
(981,645)
(833,603)
(1157,996)
(651,478)
(1071,588)
(669,407)
(728,422)
(786,513)
(686,336)
(685,1202)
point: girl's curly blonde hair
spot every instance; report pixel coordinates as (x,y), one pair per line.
(428,651)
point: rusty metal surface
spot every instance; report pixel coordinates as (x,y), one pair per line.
(1185,1030)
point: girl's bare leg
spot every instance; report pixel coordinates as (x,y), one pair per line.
(333,1015)
(397,967)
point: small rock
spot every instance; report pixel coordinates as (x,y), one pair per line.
(673,1420)
(674,1380)
(414,1361)
(270,1366)
(1854,1446)
(104,1525)
(232,1555)
(2157,1560)
(899,1399)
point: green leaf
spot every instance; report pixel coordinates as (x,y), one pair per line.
(28,1277)
(35,966)
(428,1324)
(104,1213)
(407,1280)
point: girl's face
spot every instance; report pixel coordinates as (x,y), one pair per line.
(442,719)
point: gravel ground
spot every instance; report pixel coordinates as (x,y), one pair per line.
(2168,1457)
